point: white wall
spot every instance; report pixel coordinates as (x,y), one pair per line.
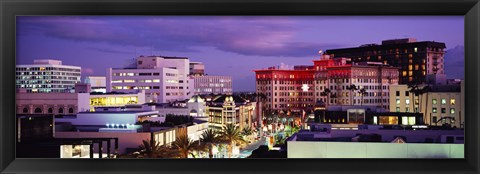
(304,149)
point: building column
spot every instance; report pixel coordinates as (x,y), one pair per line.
(91,150)
(100,149)
(108,148)
(116,145)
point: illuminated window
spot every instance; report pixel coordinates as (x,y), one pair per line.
(444,101)
(156,80)
(410,73)
(148,81)
(407,101)
(410,67)
(452,110)
(415,49)
(397,109)
(452,101)
(404,73)
(434,110)
(129,81)
(434,101)
(398,101)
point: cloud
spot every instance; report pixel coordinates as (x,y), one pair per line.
(113,51)
(455,62)
(260,36)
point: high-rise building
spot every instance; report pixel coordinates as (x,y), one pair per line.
(46,76)
(341,82)
(285,89)
(197,69)
(212,84)
(164,79)
(330,81)
(419,62)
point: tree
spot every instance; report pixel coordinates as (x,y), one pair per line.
(149,150)
(362,92)
(185,146)
(231,135)
(247,131)
(352,88)
(326,92)
(208,139)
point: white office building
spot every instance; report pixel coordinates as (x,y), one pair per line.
(46,76)
(164,79)
(97,83)
(212,84)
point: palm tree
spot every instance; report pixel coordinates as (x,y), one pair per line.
(185,146)
(326,92)
(208,139)
(247,131)
(231,134)
(362,92)
(352,88)
(150,150)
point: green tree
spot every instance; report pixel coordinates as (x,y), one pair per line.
(208,139)
(352,88)
(154,150)
(231,135)
(362,93)
(185,146)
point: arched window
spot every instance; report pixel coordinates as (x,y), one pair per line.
(25,110)
(70,110)
(50,110)
(38,111)
(60,110)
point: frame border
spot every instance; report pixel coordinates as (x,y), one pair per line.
(11,8)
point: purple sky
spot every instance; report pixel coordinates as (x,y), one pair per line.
(227,45)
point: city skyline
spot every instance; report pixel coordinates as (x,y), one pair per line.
(242,43)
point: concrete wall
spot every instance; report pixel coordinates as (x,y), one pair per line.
(305,149)
(125,139)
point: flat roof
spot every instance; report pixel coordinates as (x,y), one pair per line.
(116,112)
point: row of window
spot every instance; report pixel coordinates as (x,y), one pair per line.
(46,73)
(47,69)
(50,110)
(44,82)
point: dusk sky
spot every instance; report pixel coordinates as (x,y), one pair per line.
(227,45)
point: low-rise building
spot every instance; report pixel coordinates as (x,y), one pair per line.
(227,109)
(441,104)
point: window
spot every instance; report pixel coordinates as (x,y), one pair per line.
(434,101)
(70,110)
(452,101)
(434,119)
(398,93)
(60,110)
(434,110)
(407,101)
(444,101)
(38,111)
(50,110)
(398,101)
(397,109)
(407,93)
(444,110)
(407,109)
(452,110)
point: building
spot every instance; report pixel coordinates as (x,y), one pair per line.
(164,79)
(72,103)
(197,69)
(114,99)
(97,83)
(227,109)
(51,103)
(334,79)
(212,84)
(419,62)
(441,104)
(286,89)
(45,76)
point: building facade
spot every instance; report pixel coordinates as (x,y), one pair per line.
(286,89)
(226,109)
(334,79)
(97,83)
(45,76)
(197,69)
(212,84)
(441,104)
(419,62)
(164,79)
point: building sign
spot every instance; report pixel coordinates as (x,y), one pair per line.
(305,87)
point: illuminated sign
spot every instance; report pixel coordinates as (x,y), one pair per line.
(305,87)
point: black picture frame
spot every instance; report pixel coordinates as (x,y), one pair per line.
(11,8)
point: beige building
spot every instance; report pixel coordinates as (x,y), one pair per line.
(442,104)
(226,109)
